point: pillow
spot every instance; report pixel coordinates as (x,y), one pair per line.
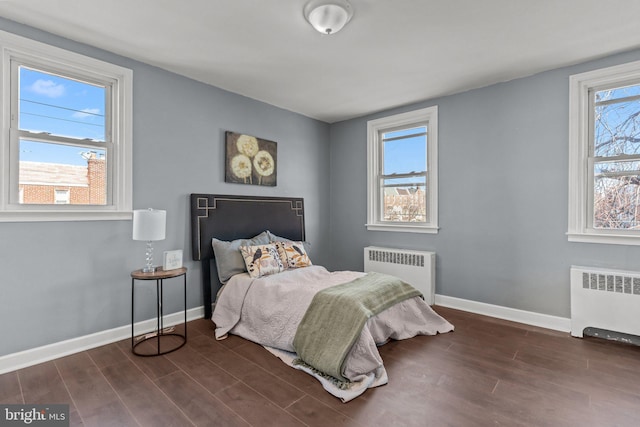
(261,260)
(292,254)
(229,260)
(274,239)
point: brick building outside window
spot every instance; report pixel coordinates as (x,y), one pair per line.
(52,183)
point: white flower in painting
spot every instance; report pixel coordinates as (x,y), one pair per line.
(264,164)
(241,166)
(247,145)
(47,88)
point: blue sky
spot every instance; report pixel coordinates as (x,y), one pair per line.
(63,107)
(405,155)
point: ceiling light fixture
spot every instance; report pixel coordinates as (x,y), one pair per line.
(328,16)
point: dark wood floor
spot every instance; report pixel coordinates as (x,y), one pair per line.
(487,372)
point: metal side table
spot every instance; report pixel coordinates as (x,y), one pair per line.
(160,335)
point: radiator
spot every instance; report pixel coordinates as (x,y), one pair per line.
(605,299)
(418,268)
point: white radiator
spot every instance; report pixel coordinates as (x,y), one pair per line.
(605,299)
(417,268)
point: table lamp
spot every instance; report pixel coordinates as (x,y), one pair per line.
(149,225)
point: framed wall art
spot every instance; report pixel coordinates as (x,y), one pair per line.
(250,160)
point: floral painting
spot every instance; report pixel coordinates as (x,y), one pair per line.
(250,160)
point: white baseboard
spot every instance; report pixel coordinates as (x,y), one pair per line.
(527,317)
(23,359)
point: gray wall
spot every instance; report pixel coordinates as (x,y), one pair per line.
(503,179)
(503,200)
(62,280)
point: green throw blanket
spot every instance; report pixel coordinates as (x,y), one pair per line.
(334,320)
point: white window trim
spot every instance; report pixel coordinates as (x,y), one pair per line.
(374,223)
(121,180)
(580,176)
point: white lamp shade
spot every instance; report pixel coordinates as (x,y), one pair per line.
(328,17)
(149,224)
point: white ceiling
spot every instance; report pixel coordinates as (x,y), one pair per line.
(392,53)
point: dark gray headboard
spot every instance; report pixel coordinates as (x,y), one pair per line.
(228,217)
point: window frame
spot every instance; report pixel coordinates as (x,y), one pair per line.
(64,200)
(18,50)
(428,116)
(581,178)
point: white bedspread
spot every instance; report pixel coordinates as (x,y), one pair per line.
(268,310)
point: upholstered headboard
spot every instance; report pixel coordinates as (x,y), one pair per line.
(228,217)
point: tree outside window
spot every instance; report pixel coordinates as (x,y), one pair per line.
(604,155)
(616,158)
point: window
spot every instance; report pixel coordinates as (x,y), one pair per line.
(604,156)
(65,147)
(62,197)
(402,172)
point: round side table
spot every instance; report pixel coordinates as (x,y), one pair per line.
(160,335)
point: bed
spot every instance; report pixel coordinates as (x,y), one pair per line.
(284,310)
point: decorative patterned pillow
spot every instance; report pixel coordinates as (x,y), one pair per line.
(293,255)
(261,260)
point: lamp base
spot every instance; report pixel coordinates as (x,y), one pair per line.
(149,268)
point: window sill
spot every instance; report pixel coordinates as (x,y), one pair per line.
(48,216)
(403,228)
(607,239)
